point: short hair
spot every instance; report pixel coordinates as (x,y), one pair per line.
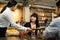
(58,3)
(12,3)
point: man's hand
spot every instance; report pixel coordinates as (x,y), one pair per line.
(28,30)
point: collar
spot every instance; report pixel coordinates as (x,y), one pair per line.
(8,9)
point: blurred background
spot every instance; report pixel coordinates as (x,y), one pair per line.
(44,8)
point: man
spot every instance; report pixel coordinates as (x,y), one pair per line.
(52,32)
(6,19)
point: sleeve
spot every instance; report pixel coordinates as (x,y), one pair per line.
(17,26)
(26,25)
(58,23)
(50,32)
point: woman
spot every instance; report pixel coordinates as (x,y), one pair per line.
(6,20)
(33,24)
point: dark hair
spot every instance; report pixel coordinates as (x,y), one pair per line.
(37,22)
(10,4)
(58,3)
(46,20)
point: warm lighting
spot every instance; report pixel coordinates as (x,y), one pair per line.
(55,14)
(17,15)
(43,18)
(41,14)
(1,6)
(12,31)
(1,9)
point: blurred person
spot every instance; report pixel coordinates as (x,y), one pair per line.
(52,32)
(33,24)
(22,22)
(46,21)
(6,19)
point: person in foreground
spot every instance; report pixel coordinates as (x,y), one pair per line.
(52,32)
(6,19)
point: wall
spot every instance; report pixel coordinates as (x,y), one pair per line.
(17,15)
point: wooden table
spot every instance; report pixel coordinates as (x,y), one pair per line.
(40,29)
(19,38)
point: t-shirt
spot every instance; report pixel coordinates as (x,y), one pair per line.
(53,29)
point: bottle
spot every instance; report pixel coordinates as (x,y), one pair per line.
(33,35)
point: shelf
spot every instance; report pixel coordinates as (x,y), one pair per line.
(44,14)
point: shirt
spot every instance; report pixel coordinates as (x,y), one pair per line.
(29,25)
(6,20)
(53,29)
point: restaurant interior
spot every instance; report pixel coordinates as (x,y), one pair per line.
(45,9)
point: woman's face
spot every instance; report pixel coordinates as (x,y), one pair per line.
(33,19)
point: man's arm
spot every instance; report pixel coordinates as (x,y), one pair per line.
(51,30)
(9,18)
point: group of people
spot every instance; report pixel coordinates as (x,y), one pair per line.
(52,32)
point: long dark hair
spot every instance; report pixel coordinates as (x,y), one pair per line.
(37,22)
(10,4)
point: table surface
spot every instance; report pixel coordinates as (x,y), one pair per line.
(16,38)
(19,38)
